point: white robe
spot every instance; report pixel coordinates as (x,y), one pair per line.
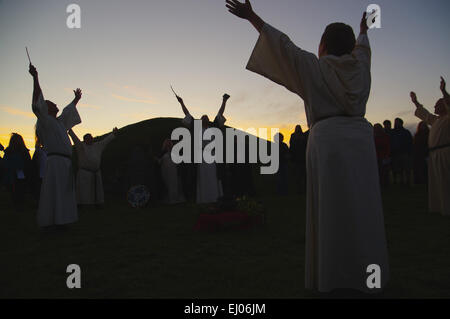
(57,204)
(439,161)
(89,175)
(344,222)
(209,187)
(169,173)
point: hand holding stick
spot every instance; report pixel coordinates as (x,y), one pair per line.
(28,55)
(180,100)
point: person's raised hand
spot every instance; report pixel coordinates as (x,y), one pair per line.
(77,93)
(180,100)
(241,10)
(413,97)
(226,96)
(363,27)
(33,71)
(442,86)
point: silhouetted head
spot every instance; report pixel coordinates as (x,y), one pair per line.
(387,125)
(205,121)
(52,108)
(298,129)
(398,123)
(337,39)
(378,129)
(422,127)
(278,138)
(88,139)
(16,143)
(439,107)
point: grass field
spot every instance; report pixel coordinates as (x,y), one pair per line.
(154,252)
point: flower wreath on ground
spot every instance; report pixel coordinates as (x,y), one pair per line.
(230,214)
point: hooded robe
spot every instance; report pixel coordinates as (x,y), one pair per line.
(345,232)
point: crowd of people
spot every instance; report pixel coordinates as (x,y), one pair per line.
(420,159)
(341,161)
(401,157)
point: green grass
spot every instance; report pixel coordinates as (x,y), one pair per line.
(154,252)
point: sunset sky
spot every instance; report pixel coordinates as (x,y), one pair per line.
(127,53)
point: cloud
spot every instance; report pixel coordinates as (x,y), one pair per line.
(130,93)
(14,111)
(403,113)
(240,97)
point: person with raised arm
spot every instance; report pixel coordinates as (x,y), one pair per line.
(57,203)
(89,184)
(439,150)
(345,231)
(209,186)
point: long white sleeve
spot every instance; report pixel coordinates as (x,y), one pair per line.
(103,143)
(424,115)
(40,108)
(362,50)
(70,116)
(277,58)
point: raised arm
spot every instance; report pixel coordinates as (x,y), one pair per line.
(363,27)
(183,107)
(104,142)
(245,11)
(445,95)
(74,137)
(414,99)
(220,120)
(36,88)
(276,57)
(421,112)
(77,97)
(224,102)
(70,116)
(362,46)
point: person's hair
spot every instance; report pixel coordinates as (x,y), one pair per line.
(387,122)
(85,136)
(378,129)
(338,39)
(399,120)
(16,144)
(37,139)
(278,138)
